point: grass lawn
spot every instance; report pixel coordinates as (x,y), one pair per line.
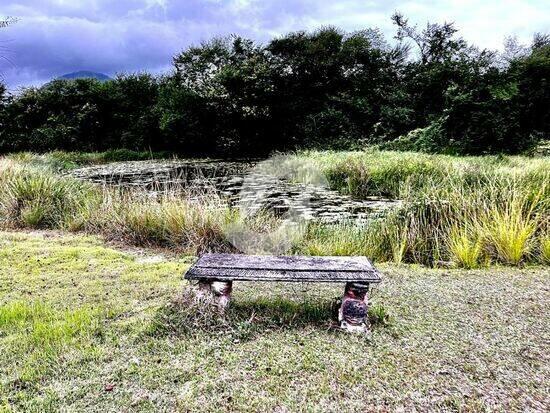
(84,327)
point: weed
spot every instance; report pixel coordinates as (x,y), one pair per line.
(501,200)
(379,315)
(508,229)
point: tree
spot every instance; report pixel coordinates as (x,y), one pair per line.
(532,77)
(229,79)
(435,43)
(231,96)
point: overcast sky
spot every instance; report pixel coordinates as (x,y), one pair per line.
(54,37)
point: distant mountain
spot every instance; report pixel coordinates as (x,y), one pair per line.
(84,74)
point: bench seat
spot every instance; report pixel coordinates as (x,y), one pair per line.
(238,267)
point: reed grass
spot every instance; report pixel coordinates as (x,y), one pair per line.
(35,197)
(193,226)
(465,248)
(61,161)
(470,211)
(508,230)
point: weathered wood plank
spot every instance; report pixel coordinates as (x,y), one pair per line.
(283,268)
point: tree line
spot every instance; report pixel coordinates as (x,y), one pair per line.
(430,90)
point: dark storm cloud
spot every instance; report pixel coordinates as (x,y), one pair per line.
(54,37)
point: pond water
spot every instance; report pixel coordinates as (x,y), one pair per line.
(241,184)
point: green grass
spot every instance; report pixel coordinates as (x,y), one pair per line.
(403,174)
(39,334)
(35,197)
(510,229)
(506,200)
(466,248)
(62,161)
(84,327)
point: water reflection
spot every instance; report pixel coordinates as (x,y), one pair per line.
(232,181)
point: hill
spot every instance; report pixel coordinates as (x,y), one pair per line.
(84,74)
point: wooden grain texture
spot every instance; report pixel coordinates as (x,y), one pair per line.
(283,268)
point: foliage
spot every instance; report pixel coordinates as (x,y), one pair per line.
(59,161)
(36,197)
(230,96)
(465,248)
(508,229)
(468,210)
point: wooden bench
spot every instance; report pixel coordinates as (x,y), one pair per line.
(215,274)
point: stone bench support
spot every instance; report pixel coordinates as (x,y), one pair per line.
(217,291)
(353,313)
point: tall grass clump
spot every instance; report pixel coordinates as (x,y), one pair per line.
(343,239)
(465,247)
(397,174)
(61,161)
(168,220)
(37,198)
(375,173)
(508,229)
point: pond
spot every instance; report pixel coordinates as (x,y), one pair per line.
(242,184)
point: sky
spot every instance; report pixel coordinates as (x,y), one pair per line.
(55,37)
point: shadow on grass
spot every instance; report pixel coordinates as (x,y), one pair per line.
(185,316)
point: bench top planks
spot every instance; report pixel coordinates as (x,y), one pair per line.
(226,267)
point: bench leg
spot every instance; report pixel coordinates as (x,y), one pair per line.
(217,291)
(222,293)
(353,311)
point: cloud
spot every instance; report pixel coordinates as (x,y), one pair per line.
(54,37)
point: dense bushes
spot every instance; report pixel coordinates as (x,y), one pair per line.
(232,97)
